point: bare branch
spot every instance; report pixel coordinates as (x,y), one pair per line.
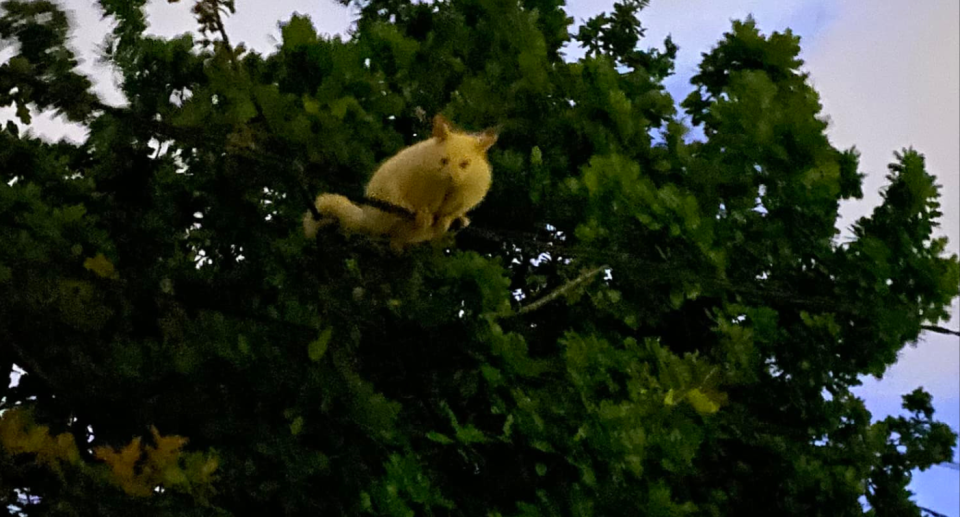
(930,512)
(940,330)
(560,291)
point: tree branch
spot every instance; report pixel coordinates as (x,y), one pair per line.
(560,291)
(221,28)
(930,512)
(940,330)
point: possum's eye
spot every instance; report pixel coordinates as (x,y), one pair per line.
(444,161)
(464,164)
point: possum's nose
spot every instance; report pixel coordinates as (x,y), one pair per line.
(457,174)
(449,174)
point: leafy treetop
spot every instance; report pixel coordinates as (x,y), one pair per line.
(189,352)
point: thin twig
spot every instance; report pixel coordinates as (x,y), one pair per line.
(560,291)
(223,32)
(225,40)
(29,365)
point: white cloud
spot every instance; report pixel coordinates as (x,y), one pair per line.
(889,76)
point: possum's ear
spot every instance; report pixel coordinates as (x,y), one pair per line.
(488,138)
(441,127)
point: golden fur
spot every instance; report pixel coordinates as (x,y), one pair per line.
(438,180)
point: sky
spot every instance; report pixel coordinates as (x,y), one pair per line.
(888,73)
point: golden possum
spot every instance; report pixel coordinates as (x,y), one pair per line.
(439,180)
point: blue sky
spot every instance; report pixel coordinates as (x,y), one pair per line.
(888,73)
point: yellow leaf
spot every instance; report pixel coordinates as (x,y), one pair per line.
(311,105)
(64,448)
(138,470)
(20,435)
(701,402)
(166,451)
(13,432)
(123,464)
(209,467)
(101,266)
(669,399)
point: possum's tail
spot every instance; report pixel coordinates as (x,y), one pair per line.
(353,218)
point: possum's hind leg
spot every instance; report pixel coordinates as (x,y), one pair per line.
(312,225)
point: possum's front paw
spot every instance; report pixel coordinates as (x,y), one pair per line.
(458,223)
(424,219)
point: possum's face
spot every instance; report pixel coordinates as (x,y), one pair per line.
(463,155)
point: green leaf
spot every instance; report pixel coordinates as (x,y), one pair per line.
(298,32)
(296,426)
(508,427)
(670,398)
(439,438)
(311,106)
(469,434)
(536,156)
(318,347)
(676,298)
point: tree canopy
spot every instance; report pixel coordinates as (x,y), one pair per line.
(636,323)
